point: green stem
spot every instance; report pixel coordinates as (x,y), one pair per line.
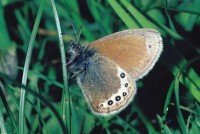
(26,66)
(64,70)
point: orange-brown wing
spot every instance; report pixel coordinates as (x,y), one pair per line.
(135,50)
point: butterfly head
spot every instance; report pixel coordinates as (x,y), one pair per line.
(78,57)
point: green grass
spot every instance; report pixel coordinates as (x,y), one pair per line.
(37,97)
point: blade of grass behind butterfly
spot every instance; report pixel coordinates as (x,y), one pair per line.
(49,80)
(4,38)
(27,64)
(188,21)
(14,100)
(38,109)
(6,105)
(180,10)
(194,127)
(62,11)
(34,79)
(64,104)
(175,61)
(40,118)
(165,110)
(75,121)
(145,120)
(44,77)
(169,17)
(146,23)
(179,114)
(176,85)
(108,131)
(73,9)
(42,98)
(98,11)
(23,28)
(37,67)
(190,75)
(190,84)
(187,109)
(165,129)
(2,124)
(39,97)
(125,17)
(120,121)
(8,110)
(197,118)
(64,70)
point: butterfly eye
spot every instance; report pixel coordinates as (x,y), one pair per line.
(77,47)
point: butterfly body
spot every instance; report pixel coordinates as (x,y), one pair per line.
(106,70)
(79,57)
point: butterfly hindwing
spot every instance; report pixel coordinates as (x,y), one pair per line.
(107,88)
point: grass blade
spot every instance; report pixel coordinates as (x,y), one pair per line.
(125,17)
(174,62)
(75,120)
(41,97)
(179,114)
(166,129)
(146,23)
(64,70)
(180,10)
(165,110)
(6,105)
(145,120)
(26,66)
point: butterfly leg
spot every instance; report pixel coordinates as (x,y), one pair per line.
(71,59)
(76,73)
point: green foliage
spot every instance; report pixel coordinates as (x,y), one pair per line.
(36,96)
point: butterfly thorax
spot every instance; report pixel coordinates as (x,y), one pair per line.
(78,57)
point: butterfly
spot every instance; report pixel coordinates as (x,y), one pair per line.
(107,69)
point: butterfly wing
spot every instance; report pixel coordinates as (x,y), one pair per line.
(136,50)
(107,88)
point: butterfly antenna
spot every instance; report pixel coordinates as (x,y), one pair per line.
(74,31)
(79,34)
(67,37)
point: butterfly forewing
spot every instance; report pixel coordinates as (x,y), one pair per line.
(107,88)
(136,51)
